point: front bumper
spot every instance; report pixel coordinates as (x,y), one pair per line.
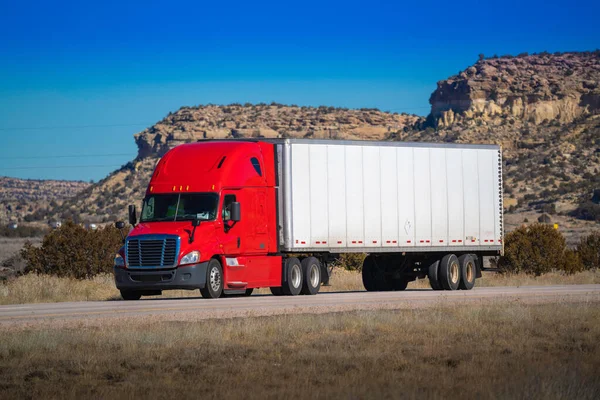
(188,277)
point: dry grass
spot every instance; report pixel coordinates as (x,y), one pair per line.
(47,289)
(494,351)
(33,288)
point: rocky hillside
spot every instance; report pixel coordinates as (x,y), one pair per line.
(29,200)
(544,109)
(190,124)
(539,89)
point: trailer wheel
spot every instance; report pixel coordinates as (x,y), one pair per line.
(449,272)
(214,280)
(311,271)
(373,276)
(293,270)
(468,272)
(399,284)
(130,295)
(433,273)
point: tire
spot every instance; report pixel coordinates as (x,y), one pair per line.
(293,283)
(399,284)
(449,273)
(130,295)
(276,291)
(433,273)
(373,276)
(248,292)
(311,271)
(468,272)
(214,280)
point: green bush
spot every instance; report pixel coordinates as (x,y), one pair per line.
(351,261)
(73,251)
(589,251)
(537,249)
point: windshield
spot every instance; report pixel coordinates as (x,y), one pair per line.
(179,207)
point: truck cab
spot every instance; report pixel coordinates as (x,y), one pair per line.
(207,222)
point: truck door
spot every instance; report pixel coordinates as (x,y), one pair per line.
(232,240)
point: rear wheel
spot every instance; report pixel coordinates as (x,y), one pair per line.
(399,284)
(433,273)
(373,276)
(130,295)
(311,271)
(214,280)
(449,272)
(467,272)
(293,283)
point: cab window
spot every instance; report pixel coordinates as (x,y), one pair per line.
(230,198)
(256,165)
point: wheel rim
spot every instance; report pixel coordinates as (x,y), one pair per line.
(454,272)
(296,277)
(470,272)
(215,279)
(314,275)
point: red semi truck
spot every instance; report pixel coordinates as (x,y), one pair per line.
(226,217)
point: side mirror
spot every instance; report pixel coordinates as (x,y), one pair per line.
(236,212)
(196,221)
(119,225)
(132,215)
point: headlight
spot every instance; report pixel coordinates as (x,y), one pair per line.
(190,258)
(119,261)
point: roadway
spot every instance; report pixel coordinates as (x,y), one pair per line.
(262,305)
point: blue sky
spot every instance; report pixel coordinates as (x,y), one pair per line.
(77,80)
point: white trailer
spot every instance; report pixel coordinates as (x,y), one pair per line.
(417,209)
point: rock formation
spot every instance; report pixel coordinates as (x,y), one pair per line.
(535,88)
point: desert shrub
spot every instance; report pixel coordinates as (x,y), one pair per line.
(351,261)
(588,211)
(537,249)
(589,251)
(73,251)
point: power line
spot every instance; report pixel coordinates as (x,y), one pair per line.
(73,127)
(66,156)
(62,166)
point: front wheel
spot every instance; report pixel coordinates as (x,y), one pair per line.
(214,280)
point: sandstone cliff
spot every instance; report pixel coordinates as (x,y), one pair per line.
(535,88)
(191,124)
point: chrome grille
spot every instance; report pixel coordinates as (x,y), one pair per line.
(152,251)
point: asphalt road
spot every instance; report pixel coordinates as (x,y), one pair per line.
(258,305)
